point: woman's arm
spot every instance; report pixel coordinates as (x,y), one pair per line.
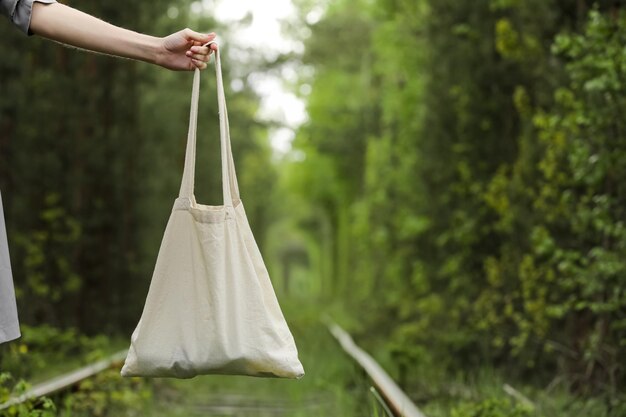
(180,51)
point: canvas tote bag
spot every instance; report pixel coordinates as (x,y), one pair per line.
(211,308)
(9,326)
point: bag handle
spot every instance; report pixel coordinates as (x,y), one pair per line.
(230,188)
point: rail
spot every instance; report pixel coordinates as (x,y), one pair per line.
(65,381)
(397,402)
(393,400)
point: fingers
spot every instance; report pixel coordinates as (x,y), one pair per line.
(200,53)
(198,37)
(199,64)
(197,52)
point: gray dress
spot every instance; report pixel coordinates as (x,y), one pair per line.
(9,326)
(19,11)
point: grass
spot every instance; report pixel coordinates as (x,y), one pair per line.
(38,363)
(441,395)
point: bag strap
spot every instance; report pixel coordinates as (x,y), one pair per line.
(230,187)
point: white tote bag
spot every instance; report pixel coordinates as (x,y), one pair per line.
(211,308)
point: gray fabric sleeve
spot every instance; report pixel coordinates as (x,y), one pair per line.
(9,325)
(19,12)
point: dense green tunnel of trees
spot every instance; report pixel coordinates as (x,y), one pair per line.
(457,190)
(468,158)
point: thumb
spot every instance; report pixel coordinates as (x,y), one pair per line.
(200,37)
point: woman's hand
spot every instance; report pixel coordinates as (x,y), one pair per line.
(184,50)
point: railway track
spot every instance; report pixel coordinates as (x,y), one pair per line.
(65,381)
(392,401)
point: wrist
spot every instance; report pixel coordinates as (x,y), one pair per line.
(151,50)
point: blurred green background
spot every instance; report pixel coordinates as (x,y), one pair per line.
(456,198)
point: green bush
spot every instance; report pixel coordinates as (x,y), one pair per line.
(37,407)
(108,394)
(43,346)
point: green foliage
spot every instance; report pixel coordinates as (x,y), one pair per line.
(38,407)
(107,395)
(48,264)
(471,182)
(565,302)
(91,152)
(458,185)
(43,347)
(69,141)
